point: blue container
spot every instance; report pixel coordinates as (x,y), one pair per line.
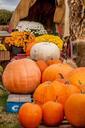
(13,107)
(14,102)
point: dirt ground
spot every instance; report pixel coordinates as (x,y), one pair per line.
(8,120)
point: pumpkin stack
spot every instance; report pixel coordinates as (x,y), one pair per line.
(55,86)
(58,96)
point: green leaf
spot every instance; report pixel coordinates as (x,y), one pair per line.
(1,69)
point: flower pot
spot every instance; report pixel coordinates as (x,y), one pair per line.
(17,50)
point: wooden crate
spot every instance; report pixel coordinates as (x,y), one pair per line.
(4,55)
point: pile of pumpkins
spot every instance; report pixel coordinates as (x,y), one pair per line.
(57,88)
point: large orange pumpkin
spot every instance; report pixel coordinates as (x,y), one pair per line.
(21,76)
(42,65)
(52,113)
(44,92)
(75,110)
(77,77)
(30,115)
(53,72)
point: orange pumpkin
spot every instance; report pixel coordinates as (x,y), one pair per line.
(44,92)
(61,95)
(42,65)
(21,76)
(77,77)
(30,115)
(71,89)
(63,91)
(53,72)
(52,113)
(28,48)
(75,110)
(55,61)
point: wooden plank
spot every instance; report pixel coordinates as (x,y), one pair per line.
(60,126)
(4,34)
(64,124)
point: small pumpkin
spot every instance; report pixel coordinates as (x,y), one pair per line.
(77,77)
(54,71)
(44,51)
(75,110)
(30,115)
(53,113)
(44,92)
(42,65)
(21,76)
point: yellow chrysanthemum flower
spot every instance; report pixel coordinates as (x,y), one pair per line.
(19,39)
(51,39)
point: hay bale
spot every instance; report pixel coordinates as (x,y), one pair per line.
(81,54)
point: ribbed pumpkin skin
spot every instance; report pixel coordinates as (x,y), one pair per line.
(53,113)
(21,76)
(44,92)
(42,65)
(30,115)
(52,72)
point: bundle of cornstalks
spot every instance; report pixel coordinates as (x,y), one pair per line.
(77,19)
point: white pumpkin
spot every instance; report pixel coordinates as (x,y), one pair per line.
(44,51)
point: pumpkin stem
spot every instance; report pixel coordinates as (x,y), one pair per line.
(67,82)
(83,92)
(80,82)
(62,77)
